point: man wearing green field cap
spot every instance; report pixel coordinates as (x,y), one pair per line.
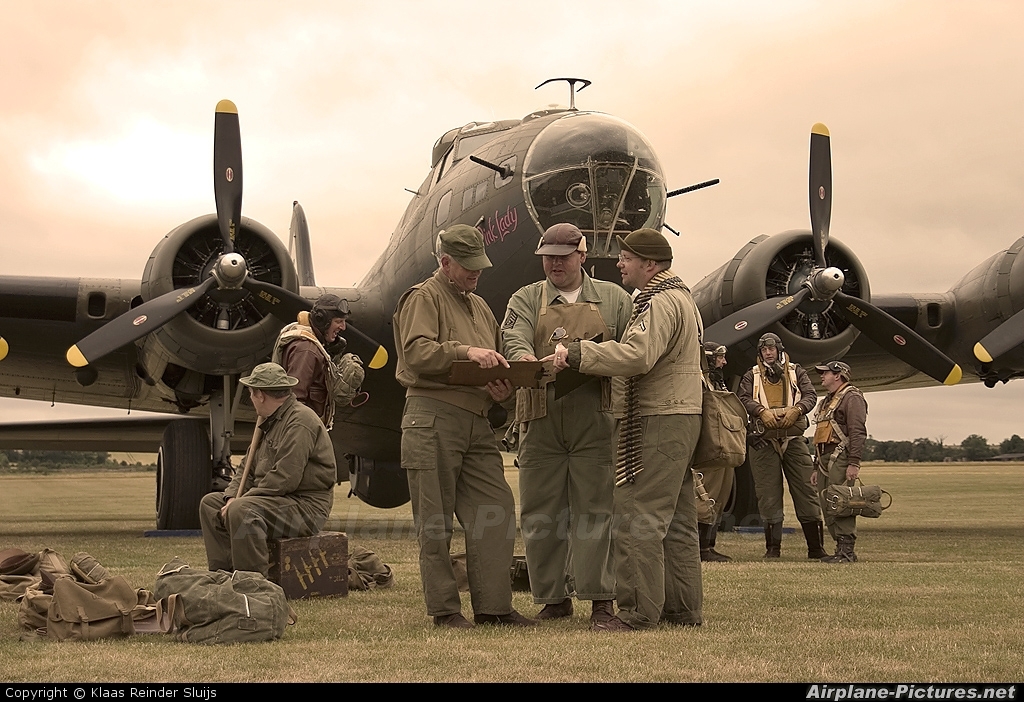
(449,450)
(287,491)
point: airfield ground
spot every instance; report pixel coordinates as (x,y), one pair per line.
(936,597)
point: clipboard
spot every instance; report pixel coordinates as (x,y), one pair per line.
(522,374)
(568,379)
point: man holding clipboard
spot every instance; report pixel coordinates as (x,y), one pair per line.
(448,447)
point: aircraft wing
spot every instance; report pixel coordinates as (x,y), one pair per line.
(140,434)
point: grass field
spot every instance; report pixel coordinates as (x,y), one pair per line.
(936,597)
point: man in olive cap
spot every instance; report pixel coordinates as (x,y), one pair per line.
(656,398)
(311,350)
(839,437)
(565,467)
(448,447)
(288,489)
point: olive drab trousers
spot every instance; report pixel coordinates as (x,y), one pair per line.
(837,526)
(768,469)
(657,553)
(565,490)
(240,542)
(451,459)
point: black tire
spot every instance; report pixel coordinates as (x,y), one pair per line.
(184,474)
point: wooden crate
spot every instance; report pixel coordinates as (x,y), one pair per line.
(311,566)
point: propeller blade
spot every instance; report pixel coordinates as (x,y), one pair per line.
(227,171)
(897,339)
(298,246)
(380,355)
(4,348)
(1006,336)
(752,320)
(820,182)
(275,300)
(136,323)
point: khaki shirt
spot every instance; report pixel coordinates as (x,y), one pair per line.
(295,458)
(436,324)
(517,331)
(661,345)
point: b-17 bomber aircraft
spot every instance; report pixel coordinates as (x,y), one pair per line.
(216,291)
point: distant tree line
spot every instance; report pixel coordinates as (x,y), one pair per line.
(974,448)
(52,459)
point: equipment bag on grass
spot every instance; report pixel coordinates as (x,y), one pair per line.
(86,612)
(220,607)
(849,500)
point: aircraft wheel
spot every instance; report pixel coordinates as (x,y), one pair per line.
(184,473)
(741,508)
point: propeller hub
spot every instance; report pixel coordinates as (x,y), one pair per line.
(826,282)
(230,271)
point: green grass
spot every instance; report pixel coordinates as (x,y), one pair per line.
(936,597)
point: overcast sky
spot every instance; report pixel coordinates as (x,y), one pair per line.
(106,128)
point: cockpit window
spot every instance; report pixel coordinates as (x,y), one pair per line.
(469,144)
(597,172)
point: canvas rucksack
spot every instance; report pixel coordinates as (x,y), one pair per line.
(86,611)
(220,607)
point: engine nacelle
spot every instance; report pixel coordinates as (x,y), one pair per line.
(224,333)
(779,265)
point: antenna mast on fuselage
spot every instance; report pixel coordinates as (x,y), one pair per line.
(572,88)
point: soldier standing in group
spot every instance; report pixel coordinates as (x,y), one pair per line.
(310,350)
(565,467)
(717,481)
(448,447)
(289,489)
(839,437)
(657,400)
(778,395)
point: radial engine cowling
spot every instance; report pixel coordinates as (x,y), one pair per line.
(224,333)
(779,266)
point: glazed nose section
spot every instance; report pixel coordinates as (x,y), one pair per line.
(597,172)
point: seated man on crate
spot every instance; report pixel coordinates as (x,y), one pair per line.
(286,487)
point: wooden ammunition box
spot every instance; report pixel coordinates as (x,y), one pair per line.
(311,566)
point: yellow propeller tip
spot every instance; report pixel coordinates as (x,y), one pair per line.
(380,358)
(954,376)
(819,128)
(982,354)
(4,348)
(76,358)
(227,106)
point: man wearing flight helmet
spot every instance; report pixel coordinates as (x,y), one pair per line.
(718,480)
(310,349)
(778,395)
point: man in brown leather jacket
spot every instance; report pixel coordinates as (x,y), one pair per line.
(308,349)
(839,437)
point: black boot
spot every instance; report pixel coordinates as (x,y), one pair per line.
(773,540)
(706,532)
(844,550)
(814,532)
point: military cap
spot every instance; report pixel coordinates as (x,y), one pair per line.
(465,244)
(836,367)
(561,240)
(269,376)
(647,243)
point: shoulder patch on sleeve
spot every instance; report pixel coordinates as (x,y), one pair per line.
(510,320)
